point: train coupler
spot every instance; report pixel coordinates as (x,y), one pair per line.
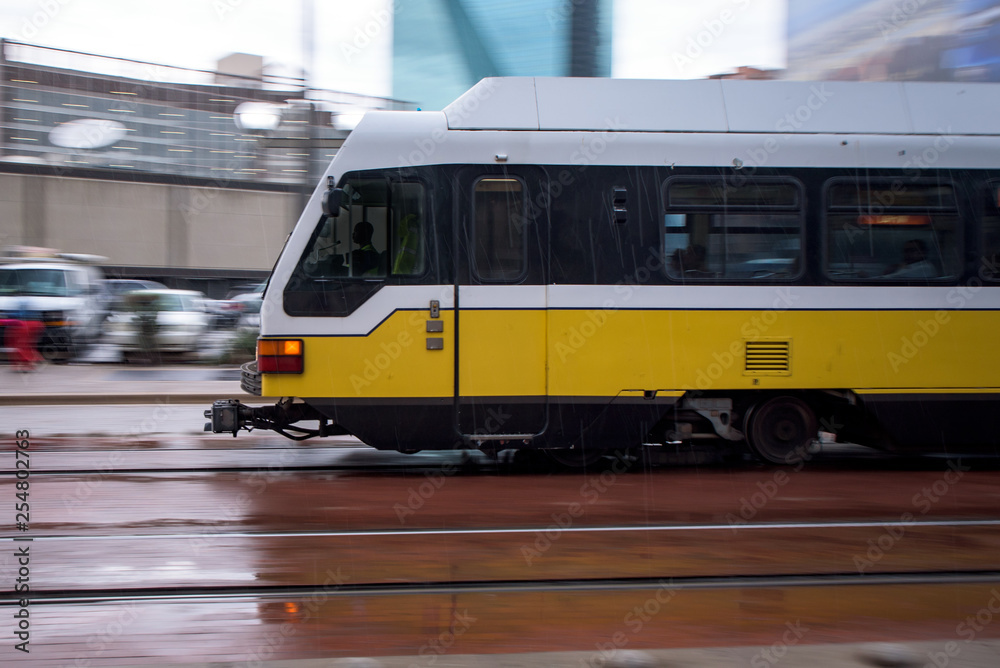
(229,416)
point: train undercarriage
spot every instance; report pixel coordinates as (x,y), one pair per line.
(783,428)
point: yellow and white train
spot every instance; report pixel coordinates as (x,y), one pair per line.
(580,265)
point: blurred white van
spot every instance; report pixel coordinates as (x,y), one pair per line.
(63,290)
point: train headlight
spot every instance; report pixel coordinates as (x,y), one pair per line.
(280,356)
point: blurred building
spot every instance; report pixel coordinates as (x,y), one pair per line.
(234,124)
(442,47)
(890,40)
(190,177)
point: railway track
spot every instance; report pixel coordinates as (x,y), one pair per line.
(596,619)
(317,561)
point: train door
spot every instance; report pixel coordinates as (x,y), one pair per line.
(501,247)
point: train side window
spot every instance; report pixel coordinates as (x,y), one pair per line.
(893,231)
(989,263)
(726,229)
(498,232)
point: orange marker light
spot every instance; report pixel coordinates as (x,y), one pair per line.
(280,356)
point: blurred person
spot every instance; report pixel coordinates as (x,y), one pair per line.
(21,338)
(689,261)
(365,258)
(915,263)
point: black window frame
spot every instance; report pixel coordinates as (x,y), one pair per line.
(987,194)
(886,182)
(473,241)
(798,207)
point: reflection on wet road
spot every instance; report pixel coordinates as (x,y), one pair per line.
(355,552)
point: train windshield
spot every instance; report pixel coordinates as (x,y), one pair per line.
(378,236)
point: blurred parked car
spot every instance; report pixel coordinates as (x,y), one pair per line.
(225,312)
(248,307)
(249,288)
(159,321)
(117,287)
(62,290)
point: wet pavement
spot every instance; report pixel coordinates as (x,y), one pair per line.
(86,384)
(100,375)
(979,654)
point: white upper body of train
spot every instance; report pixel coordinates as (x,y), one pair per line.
(734,124)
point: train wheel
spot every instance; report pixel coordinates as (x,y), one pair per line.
(575,458)
(781,429)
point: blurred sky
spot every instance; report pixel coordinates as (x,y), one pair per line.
(353,39)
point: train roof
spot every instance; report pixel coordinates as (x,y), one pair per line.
(727,105)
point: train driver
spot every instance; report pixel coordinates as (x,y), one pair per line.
(364,259)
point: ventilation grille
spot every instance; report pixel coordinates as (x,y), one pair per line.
(769,357)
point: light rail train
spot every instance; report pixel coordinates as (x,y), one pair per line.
(582,265)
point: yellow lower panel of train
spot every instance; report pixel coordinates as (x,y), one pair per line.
(598,353)
(395,360)
(594,353)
